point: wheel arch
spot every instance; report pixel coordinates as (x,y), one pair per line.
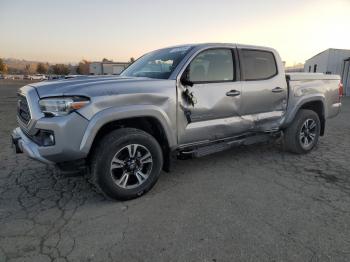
(314,103)
(149,120)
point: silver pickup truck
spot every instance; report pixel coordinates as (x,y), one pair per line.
(189,101)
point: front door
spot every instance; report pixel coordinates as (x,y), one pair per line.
(209,102)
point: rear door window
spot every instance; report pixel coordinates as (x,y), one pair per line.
(257,64)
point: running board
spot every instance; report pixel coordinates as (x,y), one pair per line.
(216,147)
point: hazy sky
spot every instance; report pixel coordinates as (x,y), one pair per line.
(68,31)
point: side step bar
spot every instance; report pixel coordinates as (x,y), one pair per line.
(215,147)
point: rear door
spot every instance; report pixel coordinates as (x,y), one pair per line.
(264,88)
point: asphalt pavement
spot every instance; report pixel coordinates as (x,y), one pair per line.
(253,203)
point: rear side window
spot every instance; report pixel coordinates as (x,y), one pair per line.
(257,64)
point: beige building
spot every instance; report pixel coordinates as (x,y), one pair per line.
(295,68)
(107,68)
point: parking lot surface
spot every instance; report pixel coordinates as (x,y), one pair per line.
(255,203)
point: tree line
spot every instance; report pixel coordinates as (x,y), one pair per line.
(57,69)
(40,68)
(45,68)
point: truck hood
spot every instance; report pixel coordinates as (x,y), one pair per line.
(93,86)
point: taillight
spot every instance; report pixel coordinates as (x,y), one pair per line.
(341,90)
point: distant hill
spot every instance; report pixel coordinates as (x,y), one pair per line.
(22,67)
(17,66)
(20,61)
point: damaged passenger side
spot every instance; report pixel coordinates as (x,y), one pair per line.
(210,95)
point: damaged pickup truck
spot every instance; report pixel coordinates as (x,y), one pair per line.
(189,101)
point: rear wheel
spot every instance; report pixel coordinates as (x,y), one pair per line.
(303,134)
(126,164)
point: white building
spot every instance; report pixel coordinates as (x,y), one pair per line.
(107,68)
(331,61)
(346,76)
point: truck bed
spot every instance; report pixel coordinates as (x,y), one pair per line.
(311,76)
(308,87)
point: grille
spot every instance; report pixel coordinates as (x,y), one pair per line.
(23,109)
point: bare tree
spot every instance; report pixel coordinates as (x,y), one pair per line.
(60,69)
(41,68)
(3,67)
(29,69)
(83,67)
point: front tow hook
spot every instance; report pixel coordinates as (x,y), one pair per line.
(14,144)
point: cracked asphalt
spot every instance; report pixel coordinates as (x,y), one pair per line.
(255,203)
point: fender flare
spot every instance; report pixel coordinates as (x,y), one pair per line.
(119,113)
(300,103)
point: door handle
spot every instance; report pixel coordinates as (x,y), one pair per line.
(277,90)
(233,93)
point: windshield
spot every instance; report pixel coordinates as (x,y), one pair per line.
(158,64)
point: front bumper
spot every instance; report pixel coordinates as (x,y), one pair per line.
(68,132)
(23,144)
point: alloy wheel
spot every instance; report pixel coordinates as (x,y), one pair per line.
(131,166)
(308,133)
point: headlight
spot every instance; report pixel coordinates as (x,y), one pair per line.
(61,106)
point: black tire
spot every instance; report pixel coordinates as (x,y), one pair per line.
(293,137)
(112,144)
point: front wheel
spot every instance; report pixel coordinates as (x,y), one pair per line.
(303,133)
(126,164)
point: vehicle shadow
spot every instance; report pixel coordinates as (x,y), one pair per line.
(37,187)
